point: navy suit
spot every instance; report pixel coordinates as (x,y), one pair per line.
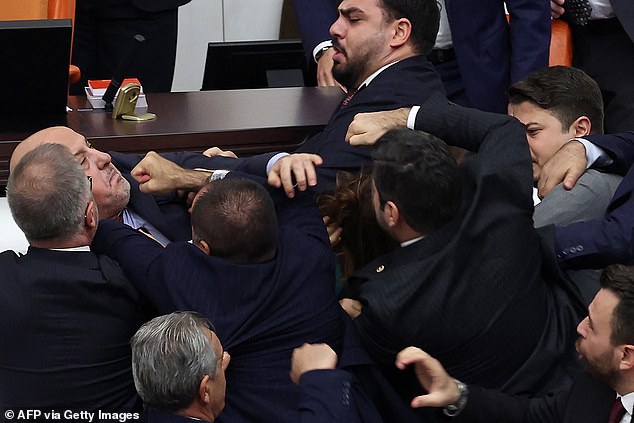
(260,311)
(403,84)
(464,291)
(67,320)
(490,53)
(598,243)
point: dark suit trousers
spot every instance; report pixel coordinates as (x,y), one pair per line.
(103,32)
(605,52)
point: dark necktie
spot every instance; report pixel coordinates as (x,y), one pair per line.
(617,412)
(578,11)
(346,100)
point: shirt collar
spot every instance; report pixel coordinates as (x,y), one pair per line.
(411,241)
(375,74)
(628,402)
(82,248)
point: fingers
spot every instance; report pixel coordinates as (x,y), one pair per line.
(556,9)
(295,171)
(324,70)
(352,307)
(408,356)
(215,151)
(311,357)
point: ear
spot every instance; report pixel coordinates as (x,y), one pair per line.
(627,357)
(402,32)
(92,216)
(203,393)
(204,246)
(581,126)
(392,215)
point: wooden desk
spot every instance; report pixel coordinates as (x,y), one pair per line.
(244,121)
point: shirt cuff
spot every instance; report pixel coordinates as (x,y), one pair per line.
(594,154)
(411,117)
(274,160)
(218,174)
(319,47)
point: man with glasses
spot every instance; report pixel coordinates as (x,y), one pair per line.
(67,313)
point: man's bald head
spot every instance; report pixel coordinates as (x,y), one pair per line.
(53,135)
(110,190)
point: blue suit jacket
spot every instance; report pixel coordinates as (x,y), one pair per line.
(491,54)
(598,243)
(409,82)
(260,311)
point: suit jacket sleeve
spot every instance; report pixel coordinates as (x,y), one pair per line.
(620,148)
(530,29)
(598,243)
(314,18)
(334,396)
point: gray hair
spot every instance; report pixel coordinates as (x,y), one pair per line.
(48,193)
(170,356)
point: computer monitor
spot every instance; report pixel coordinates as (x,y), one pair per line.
(257,64)
(35,58)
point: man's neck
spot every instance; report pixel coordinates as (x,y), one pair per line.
(391,58)
(73,242)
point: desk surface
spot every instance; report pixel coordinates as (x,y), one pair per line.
(244,121)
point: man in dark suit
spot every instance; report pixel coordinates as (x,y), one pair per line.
(265,281)
(379,55)
(116,192)
(468,273)
(67,313)
(603,393)
(478,54)
(604,49)
(104,30)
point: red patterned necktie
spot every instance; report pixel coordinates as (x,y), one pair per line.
(617,412)
(346,100)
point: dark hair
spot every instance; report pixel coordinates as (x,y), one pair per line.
(350,206)
(236,217)
(416,171)
(619,279)
(566,92)
(424,16)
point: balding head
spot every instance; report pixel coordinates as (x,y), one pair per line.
(110,190)
(53,135)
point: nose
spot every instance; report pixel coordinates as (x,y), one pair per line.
(337,28)
(102,159)
(581,327)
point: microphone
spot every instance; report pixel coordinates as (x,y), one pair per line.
(119,74)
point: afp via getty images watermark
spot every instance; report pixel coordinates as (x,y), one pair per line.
(35,415)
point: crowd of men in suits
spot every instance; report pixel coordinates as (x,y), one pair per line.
(471,282)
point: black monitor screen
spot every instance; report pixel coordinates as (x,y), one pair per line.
(257,64)
(34,70)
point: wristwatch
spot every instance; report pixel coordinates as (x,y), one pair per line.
(454,409)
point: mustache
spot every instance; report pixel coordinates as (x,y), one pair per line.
(336,44)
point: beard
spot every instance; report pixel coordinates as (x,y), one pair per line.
(601,368)
(349,74)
